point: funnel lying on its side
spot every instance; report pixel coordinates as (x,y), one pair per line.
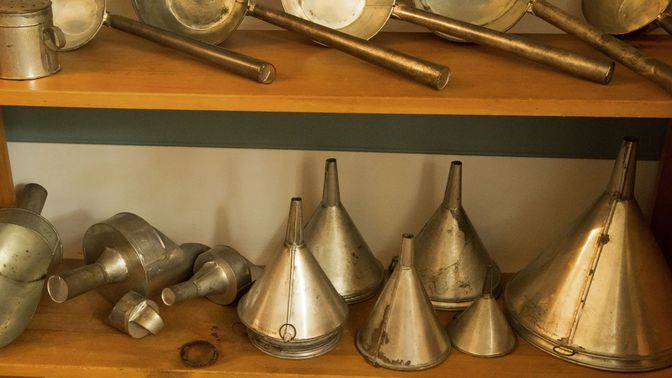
(136,316)
(450,256)
(125,253)
(402,331)
(221,274)
(601,296)
(293,311)
(482,330)
(338,246)
(29,249)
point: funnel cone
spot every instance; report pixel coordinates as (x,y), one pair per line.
(292,311)
(600,296)
(482,330)
(338,246)
(402,331)
(450,256)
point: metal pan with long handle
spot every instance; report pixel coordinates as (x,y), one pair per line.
(213,21)
(503,14)
(619,17)
(81,20)
(365,18)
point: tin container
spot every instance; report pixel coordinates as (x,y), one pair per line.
(28,40)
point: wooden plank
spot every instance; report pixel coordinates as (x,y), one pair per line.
(72,340)
(7,195)
(661,221)
(117,70)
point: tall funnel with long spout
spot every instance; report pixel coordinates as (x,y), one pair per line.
(402,331)
(293,311)
(601,296)
(451,258)
(338,246)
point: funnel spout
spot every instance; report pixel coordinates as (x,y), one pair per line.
(622,182)
(331,195)
(406,257)
(32,198)
(453,197)
(210,279)
(488,283)
(294,234)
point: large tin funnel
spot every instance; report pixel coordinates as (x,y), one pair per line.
(450,256)
(126,253)
(402,332)
(601,296)
(482,330)
(338,246)
(29,249)
(293,311)
(221,274)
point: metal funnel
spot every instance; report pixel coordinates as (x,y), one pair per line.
(293,311)
(601,296)
(125,253)
(29,249)
(402,332)
(136,316)
(450,256)
(482,330)
(338,246)
(221,274)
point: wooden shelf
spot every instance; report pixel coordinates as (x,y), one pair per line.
(71,340)
(118,70)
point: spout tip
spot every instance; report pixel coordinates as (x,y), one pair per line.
(294,234)
(407,252)
(331,195)
(168,296)
(267,74)
(57,288)
(442,79)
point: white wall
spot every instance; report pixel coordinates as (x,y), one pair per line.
(241,197)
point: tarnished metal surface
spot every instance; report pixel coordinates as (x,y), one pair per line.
(125,253)
(136,316)
(338,246)
(601,295)
(28,40)
(402,331)
(79,20)
(29,250)
(450,256)
(221,274)
(293,311)
(625,16)
(482,330)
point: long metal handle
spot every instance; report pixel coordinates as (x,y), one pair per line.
(651,68)
(423,71)
(32,198)
(664,20)
(576,64)
(240,64)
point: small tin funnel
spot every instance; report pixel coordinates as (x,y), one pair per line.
(221,274)
(482,330)
(402,332)
(293,311)
(450,256)
(125,253)
(338,246)
(29,249)
(601,295)
(136,316)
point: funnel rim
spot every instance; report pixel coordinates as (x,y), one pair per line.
(515,344)
(377,363)
(269,345)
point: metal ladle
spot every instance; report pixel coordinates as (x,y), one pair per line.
(365,18)
(81,20)
(214,21)
(626,16)
(501,15)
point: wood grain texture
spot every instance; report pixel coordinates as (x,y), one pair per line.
(661,220)
(72,340)
(117,70)
(7,194)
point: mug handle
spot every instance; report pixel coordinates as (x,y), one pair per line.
(53,38)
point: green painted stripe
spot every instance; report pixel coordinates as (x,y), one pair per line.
(463,135)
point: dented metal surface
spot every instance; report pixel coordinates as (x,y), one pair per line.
(600,296)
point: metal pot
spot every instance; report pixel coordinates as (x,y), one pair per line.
(214,21)
(28,40)
(627,16)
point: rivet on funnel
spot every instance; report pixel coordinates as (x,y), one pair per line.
(601,295)
(402,331)
(293,311)
(221,274)
(136,316)
(338,246)
(450,256)
(482,330)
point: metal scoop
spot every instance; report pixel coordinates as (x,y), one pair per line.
(627,16)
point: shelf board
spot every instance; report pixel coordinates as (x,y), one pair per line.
(117,70)
(72,340)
